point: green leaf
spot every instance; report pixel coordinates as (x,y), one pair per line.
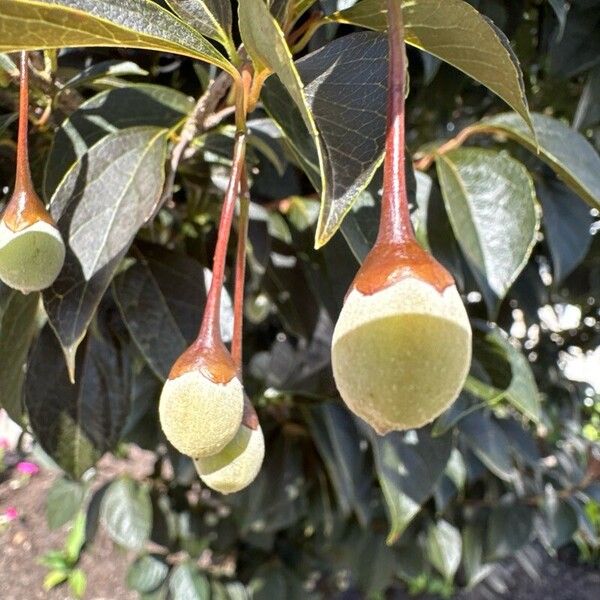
(75,539)
(146,573)
(100,204)
(17,328)
(106,68)
(565,150)
(408,466)
(126,513)
(490,200)
(444,548)
(338,440)
(47,24)
(161,298)
(489,443)
(567,222)
(54,578)
(76,423)
(509,529)
(187,583)
(63,502)
(105,113)
(211,18)
(457,34)
(78,583)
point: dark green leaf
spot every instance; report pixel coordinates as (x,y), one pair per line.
(76,423)
(455,32)
(17,328)
(126,513)
(567,221)
(408,466)
(105,113)
(490,200)
(46,24)
(63,502)
(104,199)
(187,583)
(509,529)
(565,150)
(146,573)
(106,68)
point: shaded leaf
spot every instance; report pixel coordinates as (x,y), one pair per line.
(17,328)
(490,200)
(126,513)
(105,113)
(187,583)
(46,24)
(63,502)
(76,423)
(100,204)
(565,150)
(106,68)
(509,529)
(444,548)
(408,466)
(455,32)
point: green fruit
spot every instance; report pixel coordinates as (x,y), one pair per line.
(32,258)
(237,465)
(200,417)
(400,356)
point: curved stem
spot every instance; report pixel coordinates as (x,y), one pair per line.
(240,272)
(395,225)
(23,175)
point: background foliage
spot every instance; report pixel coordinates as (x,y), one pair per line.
(510,212)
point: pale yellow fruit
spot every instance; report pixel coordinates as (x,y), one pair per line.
(31,259)
(400,356)
(237,465)
(200,417)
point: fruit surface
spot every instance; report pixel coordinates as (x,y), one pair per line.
(198,416)
(31,258)
(400,356)
(237,465)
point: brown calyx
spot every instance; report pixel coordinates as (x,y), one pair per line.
(211,359)
(24,209)
(389,263)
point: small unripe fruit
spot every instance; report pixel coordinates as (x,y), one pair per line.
(31,258)
(199,415)
(237,465)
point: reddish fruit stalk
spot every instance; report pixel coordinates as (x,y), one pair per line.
(23,177)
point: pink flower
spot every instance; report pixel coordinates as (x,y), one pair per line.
(11,513)
(27,468)
(4,443)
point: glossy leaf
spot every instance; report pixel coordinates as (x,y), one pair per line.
(126,513)
(146,573)
(106,68)
(76,423)
(565,150)
(408,470)
(444,548)
(46,24)
(101,203)
(187,583)
(17,328)
(490,200)
(105,113)
(455,32)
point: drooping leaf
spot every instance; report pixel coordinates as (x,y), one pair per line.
(455,32)
(161,298)
(187,583)
(565,150)
(490,200)
(408,467)
(211,18)
(63,502)
(47,24)
(126,513)
(339,443)
(76,423)
(106,113)
(444,548)
(101,203)
(146,573)
(17,328)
